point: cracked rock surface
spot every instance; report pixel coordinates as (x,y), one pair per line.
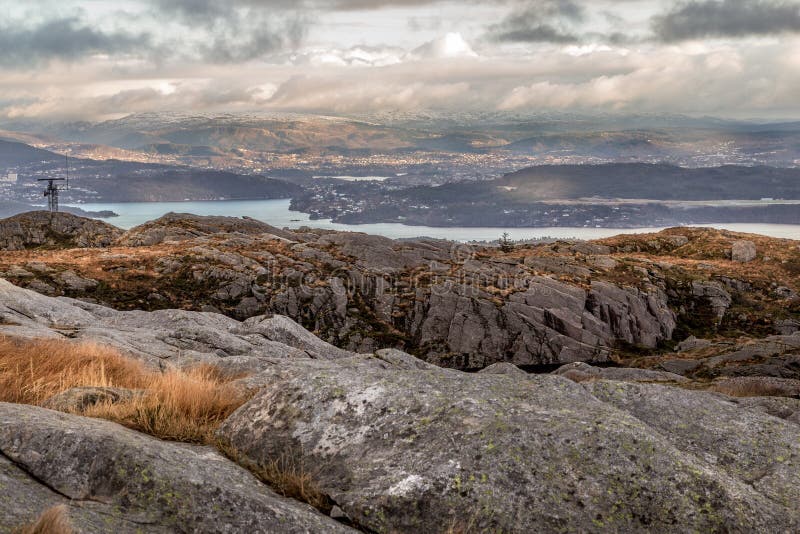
(404,449)
(116,480)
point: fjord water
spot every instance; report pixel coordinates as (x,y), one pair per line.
(277,213)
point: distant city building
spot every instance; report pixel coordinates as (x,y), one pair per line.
(10,178)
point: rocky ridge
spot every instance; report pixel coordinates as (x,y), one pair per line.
(628,299)
(183,227)
(455,305)
(164,338)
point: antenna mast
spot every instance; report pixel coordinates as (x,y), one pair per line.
(52,190)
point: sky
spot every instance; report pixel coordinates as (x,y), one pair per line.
(95,60)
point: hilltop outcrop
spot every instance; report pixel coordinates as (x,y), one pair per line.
(185,226)
(42,229)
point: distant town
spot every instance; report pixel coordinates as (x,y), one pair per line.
(354,171)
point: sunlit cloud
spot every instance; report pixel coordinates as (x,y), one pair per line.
(91,60)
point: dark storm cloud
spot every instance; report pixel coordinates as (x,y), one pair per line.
(239,31)
(540,33)
(539,21)
(727,18)
(64,39)
(239,45)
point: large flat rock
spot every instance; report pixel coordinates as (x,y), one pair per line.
(402,450)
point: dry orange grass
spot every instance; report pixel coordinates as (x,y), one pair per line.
(287,475)
(755,387)
(31,371)
(578,376)
(52,521)
(176,405)
(186,406)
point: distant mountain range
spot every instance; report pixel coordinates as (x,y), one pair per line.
(435,169)
(645,138)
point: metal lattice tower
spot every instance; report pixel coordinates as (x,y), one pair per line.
(52,190)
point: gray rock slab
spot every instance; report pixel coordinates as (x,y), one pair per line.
(582,371)
(138,479)
(165,337)
(411,450)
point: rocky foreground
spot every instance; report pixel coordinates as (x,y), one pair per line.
(396,444)
(667,399)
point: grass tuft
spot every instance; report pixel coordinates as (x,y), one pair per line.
(52,521)
(286,474)
(186,406)
(756,387)
(578,376)
(176,405)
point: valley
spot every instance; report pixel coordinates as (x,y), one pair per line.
(419,191)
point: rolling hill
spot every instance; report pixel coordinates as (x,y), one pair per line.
(123,181)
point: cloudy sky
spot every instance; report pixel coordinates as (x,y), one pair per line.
(95,59)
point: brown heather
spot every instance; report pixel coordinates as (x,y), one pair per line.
(749,388)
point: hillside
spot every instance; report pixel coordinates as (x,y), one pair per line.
(592,138)
(537,306)
(611,195)
(112,180)
(14,154)
(654,182)
(271,417)
(280,133)
(179,386)
(175,185)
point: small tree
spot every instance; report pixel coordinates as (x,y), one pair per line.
(506,245)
